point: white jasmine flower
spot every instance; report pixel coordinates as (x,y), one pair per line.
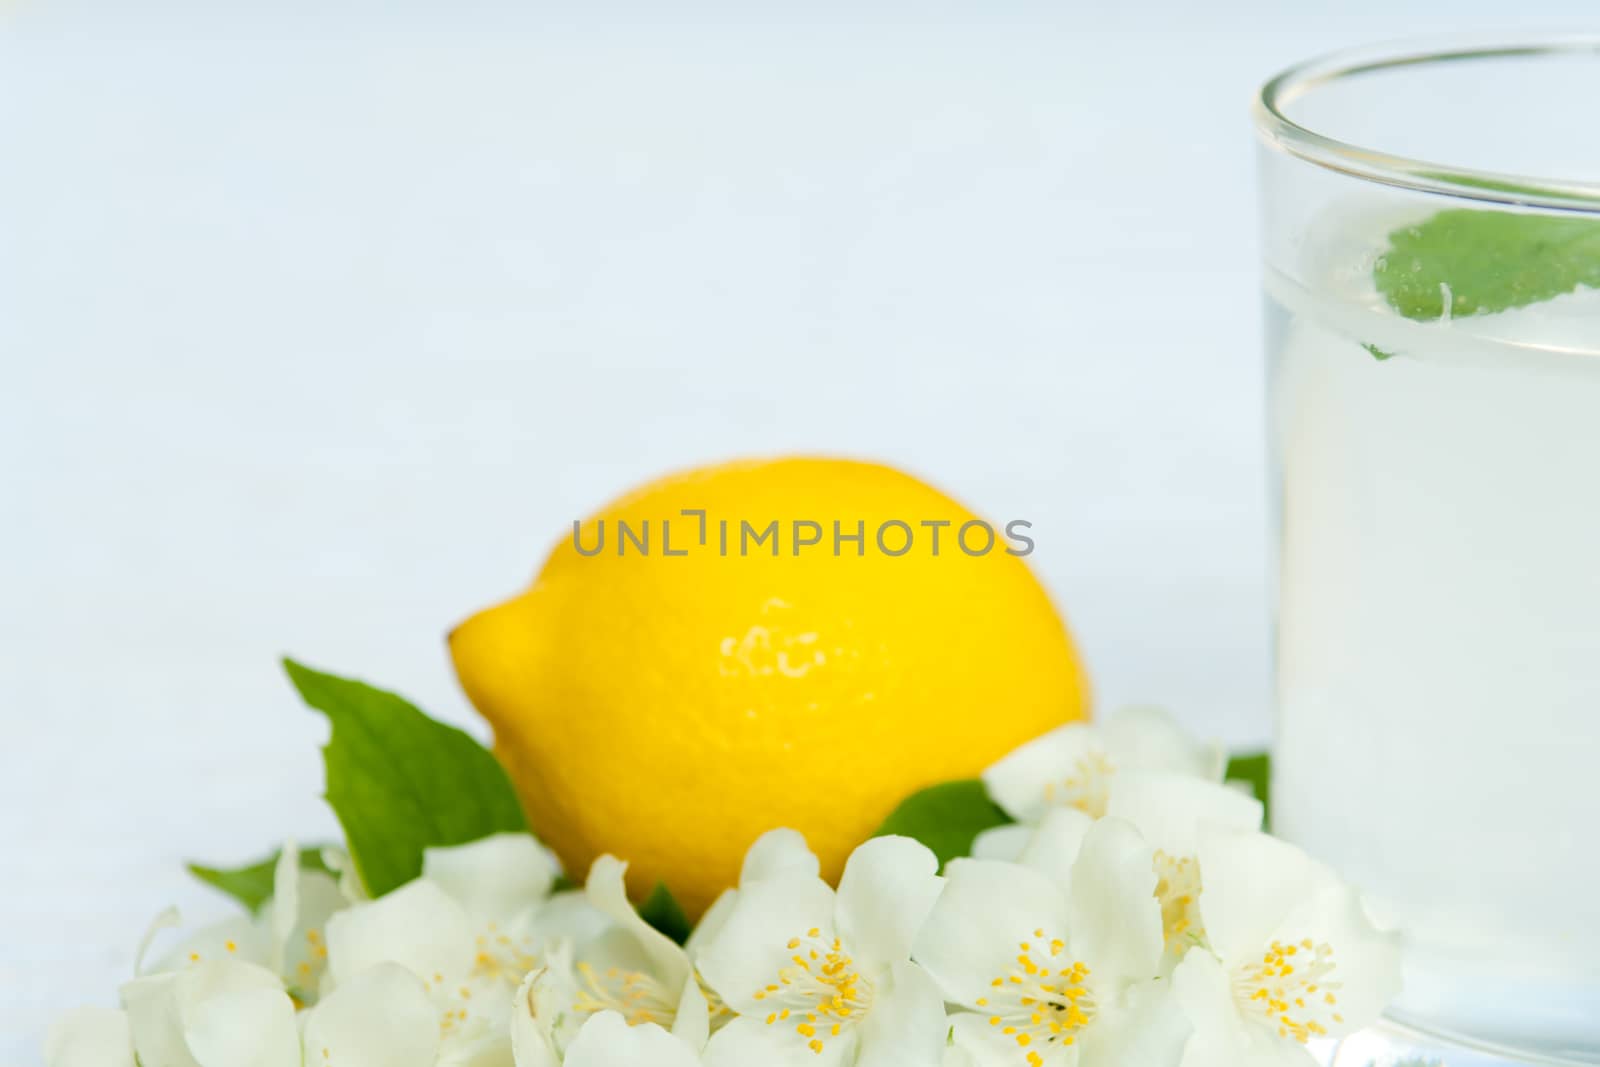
(298,914)
(956,1056)
(286,937)
(543,1021)
(818,977)
(1292,956)
(607,1040)
(344,871)
(1170,811)
(238,937)
(214,1013)
(630,970)
(426,933)
(469,930)
(90,1037)
(775,853)
(1051,977)
(503,885)
(381,1017)
(220,992)
(495,879)
(220,998)
(418,926)
(633,969)
(1006,843)
(1053,846)
(1073,766)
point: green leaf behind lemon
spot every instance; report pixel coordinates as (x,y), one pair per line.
(400,781)
(662,911)
(946,817)
(1255,770)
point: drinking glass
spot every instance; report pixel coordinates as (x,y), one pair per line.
(1431,226)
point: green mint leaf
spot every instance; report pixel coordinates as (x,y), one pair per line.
(947,818)
(251,885)
(1377,353)
(662,911)
(1255,770)
(1486,261)
(401,782)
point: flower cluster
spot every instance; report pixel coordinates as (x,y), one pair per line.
(1134,916)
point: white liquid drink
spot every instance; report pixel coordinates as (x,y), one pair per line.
(1438,735)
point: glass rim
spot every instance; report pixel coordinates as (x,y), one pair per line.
(1425,176)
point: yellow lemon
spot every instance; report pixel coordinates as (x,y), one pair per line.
(793,642)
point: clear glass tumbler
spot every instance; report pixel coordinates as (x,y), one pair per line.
(1431,224)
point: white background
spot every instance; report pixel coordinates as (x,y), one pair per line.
(318,324)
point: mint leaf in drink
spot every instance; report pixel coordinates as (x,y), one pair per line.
(947,818)
(401,782)
(1475,262)
(1377,353)
(1255,770)
(662,911)
(251,885)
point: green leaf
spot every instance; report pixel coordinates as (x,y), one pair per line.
(947,818)
(401,782)
(662,911)
(251,885)
(1377,353)
(1488,260)
(1255,770)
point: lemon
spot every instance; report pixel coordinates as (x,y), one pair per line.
(795,642)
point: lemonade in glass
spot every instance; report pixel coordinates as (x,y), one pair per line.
(1433,327)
